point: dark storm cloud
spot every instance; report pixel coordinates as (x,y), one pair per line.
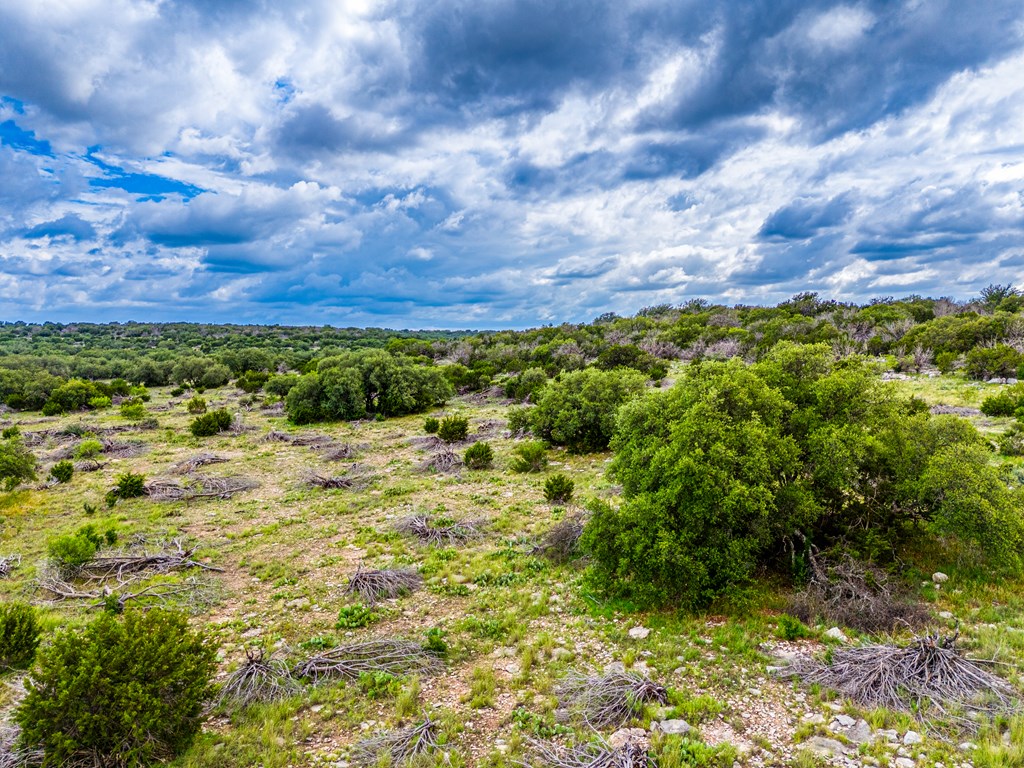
(70,225)
(802,219)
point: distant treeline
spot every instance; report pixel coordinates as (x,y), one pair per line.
(984,337)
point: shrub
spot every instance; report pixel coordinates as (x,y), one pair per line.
(527,385)
(479,456)
(88,450)
(355,617)
(214,376)
(1011,442)
(946,362)
(196,405)
(791,628)
(529,457)
(127,485)
(19,635)
(62,471)
(133,410)
(124,693)
(558,489)
(578,411)
(252,381)
(177,392)
(210,423)
(1000,360)
(17,462)
(1000,404)
(431,425)
(519,420)
(453,429)
(280,385)
(70,552)
(100,402)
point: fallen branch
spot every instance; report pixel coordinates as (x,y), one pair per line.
(199,487)
(442,460)
(339,453)
(258,680)
(399,745)
(190,465)
(7,564)
(395,657)
(106,597)
(611,699)
(14,756)
(445,534)
(593,755)
(929,672)
(561,542)
(309,439)
(124,567)
(372,585)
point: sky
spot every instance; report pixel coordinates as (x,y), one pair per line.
(492,164)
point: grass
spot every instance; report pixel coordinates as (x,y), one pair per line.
(509,624)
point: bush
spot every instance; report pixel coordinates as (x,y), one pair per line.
(985,362)
(17,462)
(100,402)
(122,693)
(946,362)
(529,457)
(578,411)
(791,628)
(479,456)
(355,617)
(133,410)
(453,429)
(519,420)
(62,471)
(558,489)
(127,485)
(431,425)
(70,552)
(88,450)
(177,392)
(252,381)
(527,385)
(1011,442)
(19,635)
(280,385)
(196,405)
(210,423)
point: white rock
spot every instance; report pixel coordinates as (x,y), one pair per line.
(912,737)
(837,634)
(561,653)
(625,736)
(945,615)
(939,577)
(814,718)
(675,726)
(904,762)
(845,720)
(639,633)
(824,746)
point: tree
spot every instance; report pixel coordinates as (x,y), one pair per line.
(17,462)
(120,694)
(578,410)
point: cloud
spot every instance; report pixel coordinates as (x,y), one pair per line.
(503,163)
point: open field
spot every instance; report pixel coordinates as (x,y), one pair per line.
(511,622)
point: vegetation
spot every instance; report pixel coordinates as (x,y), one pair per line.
(19,635)
(558,489)
(453,429)
(479,456)
(211,423)
(122,692)
(17,462)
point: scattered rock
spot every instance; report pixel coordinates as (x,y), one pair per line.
(860,733)
(904,762)
(814,718)
(837,634)
(639,633)
(945,615)
(939,577)
(561,653)
(845,721)
(615,666)
(299,603)
(625,736)
(675,726)
(823,746)
(911,737)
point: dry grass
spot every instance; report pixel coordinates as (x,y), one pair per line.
(592,755)
(199,487)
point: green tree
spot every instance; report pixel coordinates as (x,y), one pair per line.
(17,462)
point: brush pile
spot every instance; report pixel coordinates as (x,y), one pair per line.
(14,756)
(259,680)
(190,465)
(855,594)
(130,566)
(375,585)
(610,699)
(347,662)
(928,673)
(443,460)
(399,745)
(7,564)
(439,533)
(309,439)
(561,542)
(199,487)
(592,755)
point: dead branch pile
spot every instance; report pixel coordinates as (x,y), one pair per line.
(609,699)
(855,594)
(190,465)
(399,745)
(443,460)
(329,481)
(394,657)
(199,487)
(927,672)
(385,584)
(339,452)
(7,564)
(128,566)
(258,680)
(444,534)
(118,449)
(273,409)
(592,755)
(490,428)
(14,756)
(310,439)
(190,592)
(561,542)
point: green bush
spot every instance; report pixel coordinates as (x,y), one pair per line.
(479,456)
(252,381)
(558,489)
(281,384)
(453,429)
(98,403)
(127,485)
(133,410)
(519,420)
(17,462)
(210,423)
(431,425)
(196,405)
(1011,442)
(62,471)
(71,551)
(529,457)
(19,635)
(88,450)
(124,693)
(527,385)
(1005,402)
(790,628)
(177,392)
(378,685)
(985,362)
(946,361)
(355,617)
(578,410)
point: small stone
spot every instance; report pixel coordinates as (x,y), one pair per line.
(945,615)
(939,577)
(904,762)
(561,653)
(615,666)
(824,746)
(674,726)
(860,733)
(814,718)
(888,735)
(911,737)
(845,720)
(837,634)
(299,603)
(968,746)
(625,736)
(639,633)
